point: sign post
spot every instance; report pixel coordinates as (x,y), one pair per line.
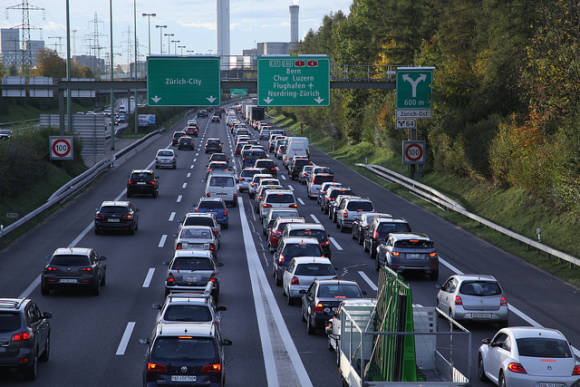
(61,147)
(413,152)
(294,80)
(183,81)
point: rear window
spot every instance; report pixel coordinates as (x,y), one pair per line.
(222,181)
(9,322)
(213,141)
(195,313)
(165,153)
(302,250)
(359,206)
(414,244)
(280,198)
(322,170)
(70,260)
(543,347)
(114,210)
(178,134)
(318,234)
(339,291)
(314,269)
(249,173)
(480,288)
(195,233)
(386,227)
(219,157)
(193,264)
(278,214)
(265,164)
(176,348)
(141,176)
(211,204)
(337,192)
(199,221)
(185,139)
(323,179)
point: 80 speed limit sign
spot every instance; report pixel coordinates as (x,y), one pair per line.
(414,152)
(61,147)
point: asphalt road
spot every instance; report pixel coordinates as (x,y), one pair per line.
(95,339)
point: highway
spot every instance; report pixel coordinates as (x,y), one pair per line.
(95,340)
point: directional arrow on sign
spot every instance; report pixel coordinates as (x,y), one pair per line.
(156,99)
(318,100)
(268,100)
(211,98)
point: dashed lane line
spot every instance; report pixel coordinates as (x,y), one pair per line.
(148,277)
(184,185)
(162,241)
(335,243)
(314,218)
(300,201)
(179,197)
(125,338)
(171,216)
(370,282)
(188,174)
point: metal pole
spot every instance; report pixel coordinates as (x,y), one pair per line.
(135,126)
(112,96)
(68,71)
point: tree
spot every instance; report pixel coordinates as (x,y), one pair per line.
(50,65)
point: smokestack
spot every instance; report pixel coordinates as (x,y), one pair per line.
(294,23)
(223,29)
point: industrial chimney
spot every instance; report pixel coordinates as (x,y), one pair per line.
(294,23)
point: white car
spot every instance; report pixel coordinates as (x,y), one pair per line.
(302,272)
(277,199)
(528,356)
(222,185)
(166,158)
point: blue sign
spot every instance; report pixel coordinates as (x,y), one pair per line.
(146,119)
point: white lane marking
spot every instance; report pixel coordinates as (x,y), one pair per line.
(282,177)
(263,297)
(184,186)
(171,216)
(149,277)
(30,287)
(368,280)
(123,192)
(301,201)
(191,167)
(335,243)
(194,160)
(197,154)
(188,174)
(290,187)
(162,240)
(314,218)
(179,197)
(125,339)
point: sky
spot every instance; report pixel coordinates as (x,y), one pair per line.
(193,23)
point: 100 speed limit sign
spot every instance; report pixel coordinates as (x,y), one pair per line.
(414,152)
(61,147)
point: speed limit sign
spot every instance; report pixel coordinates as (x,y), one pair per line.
(61,147)
(413,152)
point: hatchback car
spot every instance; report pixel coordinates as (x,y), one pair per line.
(289,248)
(186,142)
(216,118)
(192,129)
(143,182)
(255,182)
(275,213)
(165,158)
(362,224)
(265,185)
(331,194)
(116,216)
(176,137)
(323,189)
(215,205)
(351,210)
(310,230)
(296,166)
(24,336)
(409,251)
(193,271)
(219,157)
(246,176)
(277,199)
(316,180)
(197,238)
(379,230)
(213,145)
(302,272)
(304,175)
(473,297)
(201,219)
(74,267)
(188,307)
(275,232)
(202,113)
(268,165)
(528,356)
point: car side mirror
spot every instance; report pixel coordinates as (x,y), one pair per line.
(221,308)
(219,264)
(46,315)
(156,306)
(226,342)
(486,341)
(144,341)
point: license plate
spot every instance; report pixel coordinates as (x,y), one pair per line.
(415,256)
(480,315)
(191,279)
(113,220)
(68,281)
(183,378)
(222,194)
(551,385)
(141,183)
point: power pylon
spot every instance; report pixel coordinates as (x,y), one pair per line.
(26,57)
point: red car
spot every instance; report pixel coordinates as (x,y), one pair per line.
(192,131)
(275,232)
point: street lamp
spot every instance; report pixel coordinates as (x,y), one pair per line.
(161,27)
(169,36)
(175,41)
(148,15)
(182,47)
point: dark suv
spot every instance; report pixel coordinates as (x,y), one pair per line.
(116,215)
(202,113)
(144,182)
(213,145)
(24,335)
(176,137)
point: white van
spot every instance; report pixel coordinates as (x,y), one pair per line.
(296,149)
(298,140)
(222,185)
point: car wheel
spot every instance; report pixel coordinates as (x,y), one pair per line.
(46,354)
(156,166)
(352,234)
(225,225)
(373,252)
(155,194)
(174,166)
(481,370)
(309,327)
(302,314)
(44,290)
(31,372)
(502,382)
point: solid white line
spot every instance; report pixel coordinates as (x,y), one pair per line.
(314,218)
(290,187)
(179,199)
(191,167)
(171,216)
(28,291)
(335,243)
(82,235)
(300,201)
(125,339)
(162,240)
(368,280)
(184,186)
(123,192)
(188,174)
(148,277)
(282,177)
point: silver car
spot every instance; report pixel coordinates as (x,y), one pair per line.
(166,158)
(473,297)
(528,356)
(275,213)
(197,238)
(188,307)
(302,272)
(193,271)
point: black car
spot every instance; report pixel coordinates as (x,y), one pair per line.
(267,164)
(297,166)
(186,142)
(75,267)
(379,231)
(213,145)
(143,182)
(176,137)
(24,336)
(117,216)
(202,113)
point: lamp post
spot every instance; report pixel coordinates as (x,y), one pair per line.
(149,15)
(112,96)
(182,47)
(68,73)
(169,36)
(161,27)
(175,46)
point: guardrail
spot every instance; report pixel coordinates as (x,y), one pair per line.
(435,196)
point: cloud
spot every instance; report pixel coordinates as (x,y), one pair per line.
(207,26)
(52,26)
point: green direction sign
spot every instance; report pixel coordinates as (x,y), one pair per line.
(414,92)
(183,81)
(294,80)
(238,91)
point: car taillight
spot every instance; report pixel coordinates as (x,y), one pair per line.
(319,308)
(252,184)
(326,243)
(100,217)
(458,300)
(154,368)
(129,216)
(395,253)
(225,212)
(376,235)
(215,232)
(87,269)
(50,268)
(212,277)
(266,205)
(208,194)
(152,182)
(295,281)
(576,370)
(517,368)
(130,181)
(215,368)
(433,254)
(503,301)
(278,232)
(241,179)
(260,197)
(293,205)
(170,279)
(178,247)
(197,210)
(211,246)
(345,214)
(235,195)
(156,158)
(21,336)
(281,259)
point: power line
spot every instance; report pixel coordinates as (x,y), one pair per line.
(26,57)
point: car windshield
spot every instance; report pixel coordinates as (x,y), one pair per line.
(222,181)
(320,235)
(385,228)
(414,244)
(194,313)
(192,264)
(199,221)
(195,233)
(323,179)
(480,288)
(314,269)
(211,204)
(543,347)
(70,260)
(165,153)
(184,348)
(114,210)
(9,322)
(280,198)
(302,250)
(141,176)
(339,291)
(360,206)
(218,165)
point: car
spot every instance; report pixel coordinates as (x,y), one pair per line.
(350,210)
(474,297)
(320,302)
(333,205)
(289,248)
(239,146)
(361,225)
(166,158)
(185,354)
(213,145)
(117,216)
(302,272)
(275,232)
(265,132)
(245,177)
(331,194)
(176,136)
(191,130)
(216,118)
(201,219)
(222,184)
(219,157)
(379,230)
(202,113)
(179,308)
(409,252)
(268,165)
(316,180)
(5,134)
(197,238)
(305,174)
(280,150)
(143,182)
(274,213)
(310,230)
(186,142)
(250,156)
(25,336)
(215,205)
(320,169)
(193,271)
(277,199)
(217,166)
(296,166)
(272,142)
(528,356)
(255,182)
(74,267)
(265,186)
(323,189)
